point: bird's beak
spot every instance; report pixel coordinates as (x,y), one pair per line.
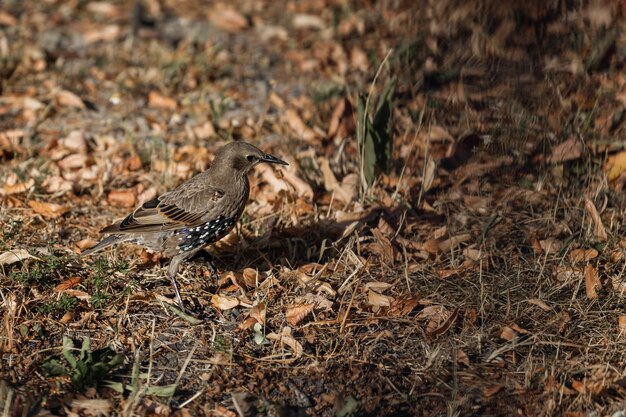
(271,159)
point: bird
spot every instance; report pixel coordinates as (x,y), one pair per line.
(198,212)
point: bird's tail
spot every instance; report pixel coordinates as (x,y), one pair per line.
(104,243)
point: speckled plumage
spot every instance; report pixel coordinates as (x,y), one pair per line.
(198,212)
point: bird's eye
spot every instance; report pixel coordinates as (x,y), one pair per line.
(251,158)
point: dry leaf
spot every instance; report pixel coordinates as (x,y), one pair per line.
(303,190)
(123,198)
(542,305)
(345,191)
(66,98)
(287,339)
(86,243)
(73,161)
(17,188)
(492,390)
(49,210)
(17,255)
(378,300)
(307,21)
(582,255)
(569,150)
(228,19)
(159,101)
(258,312)
(403,305)
(378,286)
(224,302)
(434,328)
(615,165)
(429,174)
(297,125)
(103,34)
(599,230)
(204,131)
(592,282)
(462,358)
(508,334)
(621,323)
(296,313)
(68,283)
(454,241)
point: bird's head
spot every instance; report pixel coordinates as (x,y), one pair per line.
(242,157)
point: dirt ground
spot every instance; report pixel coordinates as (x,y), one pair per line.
(447,240)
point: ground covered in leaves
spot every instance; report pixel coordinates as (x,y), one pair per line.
(447,240)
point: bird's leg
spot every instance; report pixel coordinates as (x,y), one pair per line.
(171,273)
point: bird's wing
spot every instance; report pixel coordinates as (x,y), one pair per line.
(180,208)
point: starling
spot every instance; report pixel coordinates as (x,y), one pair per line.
(200,211)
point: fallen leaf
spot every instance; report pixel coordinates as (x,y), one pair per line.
(599,230)
(297,125)
(68,283)
(17,255)
(228,19)
(542,305)
(402,306)
(344,191)
(583,255)
(569,150)
(204,131)
(158,100)
(454,241)
(123,198)
(6,19)
(286,338)
(443,327)
(615,165)
(592,282)
(492,390)
(462,358)
(17,188)
(102,34)
(67,317)
(86,243)
(75,142)
(258,312)
(508,334)
(377,286)
(378,300)
(224,302)
(73,161)
(49,210)
(296,313)
(66,98)
(307,21)
(621,323)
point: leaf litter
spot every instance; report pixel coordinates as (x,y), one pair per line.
(448,227)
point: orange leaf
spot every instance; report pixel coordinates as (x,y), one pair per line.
(224,302)
(66,98)
(615,165)
(403,306)
(582,255)
(49,210)
(592,281)
(158,100)
(296,313)
(123,198)
(68,283)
